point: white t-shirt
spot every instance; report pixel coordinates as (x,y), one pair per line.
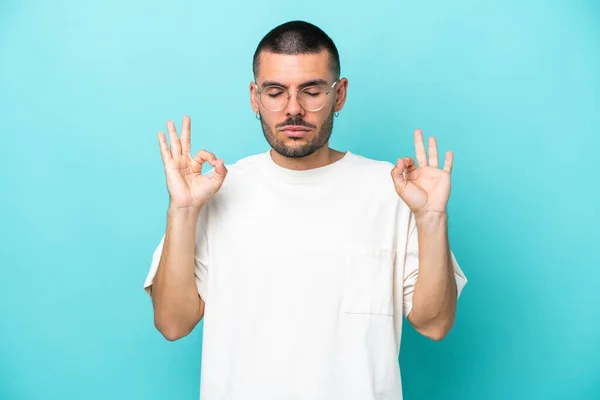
(306,276)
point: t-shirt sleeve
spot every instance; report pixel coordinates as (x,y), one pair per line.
(411,267)
(200,257)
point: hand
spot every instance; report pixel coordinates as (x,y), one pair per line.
(425,189)
(188,188)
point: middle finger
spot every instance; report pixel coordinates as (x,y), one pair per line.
(433,154)
(174,140)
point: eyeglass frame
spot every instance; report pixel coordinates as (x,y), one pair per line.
(289,92)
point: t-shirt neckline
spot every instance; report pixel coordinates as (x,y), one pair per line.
(307,175)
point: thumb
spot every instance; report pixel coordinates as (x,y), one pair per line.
(406,163)
(220,171)
(398,177)
(403,165)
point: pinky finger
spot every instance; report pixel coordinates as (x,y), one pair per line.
(164,148)
(448,162)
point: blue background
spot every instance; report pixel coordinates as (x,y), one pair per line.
(512,87)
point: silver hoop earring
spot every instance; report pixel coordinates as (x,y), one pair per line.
(258,116)
(337,114)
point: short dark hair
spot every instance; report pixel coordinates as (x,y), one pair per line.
(298,37)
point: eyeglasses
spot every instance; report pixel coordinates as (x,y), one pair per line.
(312,98)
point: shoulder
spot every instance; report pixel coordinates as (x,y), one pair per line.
(242,166)
(240,180)
(376,173)
(376,182)
(367,164)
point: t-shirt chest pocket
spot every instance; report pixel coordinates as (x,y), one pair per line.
(369,281)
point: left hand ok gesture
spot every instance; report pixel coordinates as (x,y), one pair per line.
(425,189)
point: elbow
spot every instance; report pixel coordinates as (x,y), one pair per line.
(437,335)
(176,325)
(171,331)
(442,330)
(437,330)
(172,336)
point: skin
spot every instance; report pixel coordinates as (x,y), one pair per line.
(292,71)
(424,187)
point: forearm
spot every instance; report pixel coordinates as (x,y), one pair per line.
(177,306)
(434,297)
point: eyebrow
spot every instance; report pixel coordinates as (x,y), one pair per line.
(313,82)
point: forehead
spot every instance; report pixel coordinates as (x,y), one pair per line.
(293,69)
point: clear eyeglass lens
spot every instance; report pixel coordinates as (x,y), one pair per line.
(275,98)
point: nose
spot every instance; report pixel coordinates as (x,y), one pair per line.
(293,107)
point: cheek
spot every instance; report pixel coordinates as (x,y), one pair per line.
(319,119)
(272,120)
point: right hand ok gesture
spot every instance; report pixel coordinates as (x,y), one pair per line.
(188,188)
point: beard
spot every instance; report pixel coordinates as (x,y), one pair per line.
(297,150)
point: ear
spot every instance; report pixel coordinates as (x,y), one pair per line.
(253,98)
(340,94)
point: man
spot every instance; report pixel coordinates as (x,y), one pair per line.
(303,259)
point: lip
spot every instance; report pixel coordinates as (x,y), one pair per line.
(295,131)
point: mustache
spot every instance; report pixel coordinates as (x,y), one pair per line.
(298,121)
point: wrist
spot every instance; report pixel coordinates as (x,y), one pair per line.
(431,218)
(183,212)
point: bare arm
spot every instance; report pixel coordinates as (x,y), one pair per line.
(177,306)
(426,190)
(434,298)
